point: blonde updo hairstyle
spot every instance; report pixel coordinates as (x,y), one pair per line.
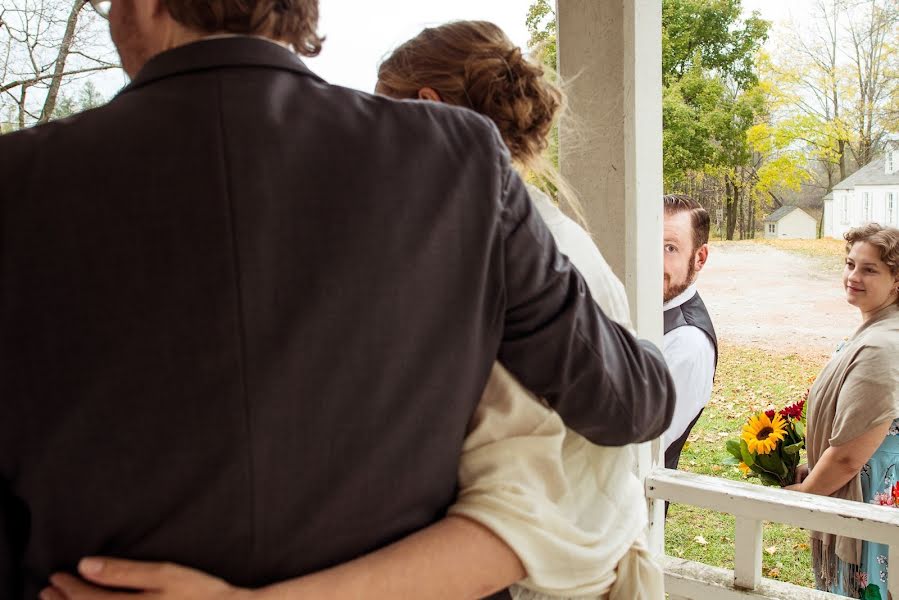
(475,65)
(885,239)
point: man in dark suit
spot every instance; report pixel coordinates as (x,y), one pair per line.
(246,315)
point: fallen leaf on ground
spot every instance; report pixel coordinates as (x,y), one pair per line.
(700,540)
(771,549)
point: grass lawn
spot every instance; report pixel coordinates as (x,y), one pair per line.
(748,381)
(822,248)
(829,252)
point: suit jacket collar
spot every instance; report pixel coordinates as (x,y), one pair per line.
(219,52)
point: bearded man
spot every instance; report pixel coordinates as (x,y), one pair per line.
(690,345)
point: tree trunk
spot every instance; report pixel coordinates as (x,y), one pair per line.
(60,67)
(730,208)
(752,219)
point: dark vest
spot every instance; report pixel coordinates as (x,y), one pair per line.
(692,312)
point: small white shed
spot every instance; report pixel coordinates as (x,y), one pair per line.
(791,222)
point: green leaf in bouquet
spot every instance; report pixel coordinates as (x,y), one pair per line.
(769,479)
(799,427)
(745,454)
(730,460)
(772,463)
(793,448)
(872,592)
(733,447)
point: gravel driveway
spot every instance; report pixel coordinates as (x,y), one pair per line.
(768,298)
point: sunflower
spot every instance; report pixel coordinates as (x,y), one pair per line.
(762,433)
(745,469)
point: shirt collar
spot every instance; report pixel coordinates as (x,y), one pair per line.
(220,51)
(681,298)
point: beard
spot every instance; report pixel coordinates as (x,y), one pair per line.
(673,290)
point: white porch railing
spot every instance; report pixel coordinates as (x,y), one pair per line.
(752,505)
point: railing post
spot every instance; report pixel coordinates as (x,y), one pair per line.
(748,553)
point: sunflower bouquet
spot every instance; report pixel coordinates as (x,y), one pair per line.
(769,445)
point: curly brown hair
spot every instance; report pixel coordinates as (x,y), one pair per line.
(885,239)
(474,64)
(291,21)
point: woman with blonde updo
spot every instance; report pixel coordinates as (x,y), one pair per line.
(537,502)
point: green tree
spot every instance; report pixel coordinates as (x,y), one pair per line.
(88,97)
(709,75)
(713,31)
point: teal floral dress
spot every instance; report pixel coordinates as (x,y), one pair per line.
(879,477)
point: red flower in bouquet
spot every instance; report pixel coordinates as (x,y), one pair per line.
(793,411)
(896,493)
(770,414)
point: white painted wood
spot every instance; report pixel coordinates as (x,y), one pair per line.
(748,553)
(610,57)
(696,581)
(843,517)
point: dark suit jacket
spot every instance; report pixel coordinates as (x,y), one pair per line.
(245,316)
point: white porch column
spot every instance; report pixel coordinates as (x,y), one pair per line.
(610,56)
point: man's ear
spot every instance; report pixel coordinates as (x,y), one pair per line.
(431,94)
(702,255)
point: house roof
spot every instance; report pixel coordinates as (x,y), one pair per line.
(780,213)
(829,196)
(871,174)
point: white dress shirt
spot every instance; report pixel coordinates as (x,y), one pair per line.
(690,356)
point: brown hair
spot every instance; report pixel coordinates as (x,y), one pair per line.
(291,21)
(475,65)
(699,217)
(885,239)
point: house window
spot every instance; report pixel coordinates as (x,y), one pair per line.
(891,162)
(867,206)
(844,201)
(891,208)
(771,227)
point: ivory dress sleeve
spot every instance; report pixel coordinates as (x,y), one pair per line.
(573,512)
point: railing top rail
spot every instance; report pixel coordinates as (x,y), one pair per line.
(843,517)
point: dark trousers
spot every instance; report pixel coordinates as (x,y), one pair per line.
(672,454)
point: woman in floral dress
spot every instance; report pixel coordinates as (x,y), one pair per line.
(853,407)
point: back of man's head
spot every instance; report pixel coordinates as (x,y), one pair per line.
(293,22)
(699,217)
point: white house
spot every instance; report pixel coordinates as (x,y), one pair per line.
(869,194)
(791,222)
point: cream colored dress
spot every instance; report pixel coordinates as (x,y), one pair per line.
(574,513)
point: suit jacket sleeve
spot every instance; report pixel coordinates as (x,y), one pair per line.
(608,386)
(12,530)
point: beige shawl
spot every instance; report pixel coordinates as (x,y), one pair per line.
(857,391)
(573,512)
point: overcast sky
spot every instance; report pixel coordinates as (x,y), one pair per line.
(361,32)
